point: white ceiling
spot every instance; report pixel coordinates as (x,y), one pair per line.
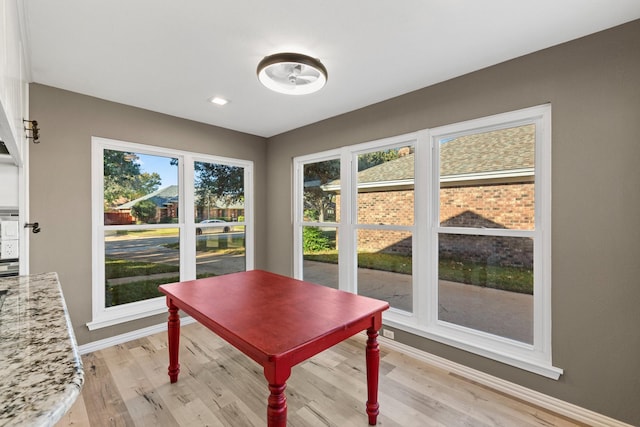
(172,56)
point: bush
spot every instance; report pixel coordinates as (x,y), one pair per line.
(314,240)
(144,210)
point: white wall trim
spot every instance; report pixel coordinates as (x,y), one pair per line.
(129,336)
(533,397)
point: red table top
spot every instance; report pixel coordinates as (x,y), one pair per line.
(269,316)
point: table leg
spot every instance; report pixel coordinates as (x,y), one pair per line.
(173,329)
(373,366)
(277,406)
(277,375)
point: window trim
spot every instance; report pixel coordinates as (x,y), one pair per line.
(536,358)
(108,316)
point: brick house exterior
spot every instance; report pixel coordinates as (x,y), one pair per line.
(487,181)
(167,204)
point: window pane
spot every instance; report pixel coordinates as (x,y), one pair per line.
(385,267)
(385,187)
(320,254)
(219,192)
(137,261)
(220,250)
(487,179)
(486,283)
(139,188)
(321,188)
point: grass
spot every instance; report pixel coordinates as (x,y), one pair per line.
(140,290)
(149,233)
(224,246)
(154,232)
(117,268)
(147,287)
(513,279)
(135,291)
(376,261)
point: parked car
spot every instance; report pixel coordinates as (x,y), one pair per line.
(213,229)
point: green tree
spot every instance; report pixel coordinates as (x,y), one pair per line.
(124,179)
(144,211)
(374,158)
(217,182)
(317,201)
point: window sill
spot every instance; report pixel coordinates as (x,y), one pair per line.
(520,361)
(110,318)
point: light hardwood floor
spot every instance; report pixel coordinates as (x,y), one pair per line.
(127,385)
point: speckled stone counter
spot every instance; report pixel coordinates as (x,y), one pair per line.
(40,369)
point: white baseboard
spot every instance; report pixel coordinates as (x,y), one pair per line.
(533,397)
(129,336)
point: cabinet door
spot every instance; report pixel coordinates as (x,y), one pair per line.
(13,84)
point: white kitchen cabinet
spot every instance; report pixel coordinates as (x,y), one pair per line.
(14,108)
(9,184)
(13,82)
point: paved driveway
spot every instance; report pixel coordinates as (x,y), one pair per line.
(503,313)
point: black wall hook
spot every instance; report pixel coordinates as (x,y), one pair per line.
(35,227)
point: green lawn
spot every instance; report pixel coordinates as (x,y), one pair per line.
(155,232)
(137,290)
(117,268)
(233,246)
(514,279)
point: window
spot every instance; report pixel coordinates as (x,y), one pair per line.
(163,216)
(317,243)
(219,214)
(450,225)
(384,222)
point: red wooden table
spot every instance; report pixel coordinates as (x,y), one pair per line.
(278,322)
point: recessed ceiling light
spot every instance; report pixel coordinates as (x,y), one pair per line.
(292,73)
(218,101)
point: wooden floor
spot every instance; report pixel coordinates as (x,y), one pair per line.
(127,385)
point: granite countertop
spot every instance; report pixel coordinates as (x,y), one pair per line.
(40,368)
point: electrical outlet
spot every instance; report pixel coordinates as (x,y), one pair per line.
(9,249)
(388,334)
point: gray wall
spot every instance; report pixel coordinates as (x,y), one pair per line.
(60,184)
(594,87)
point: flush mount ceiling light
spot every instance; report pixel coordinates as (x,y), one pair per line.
(292,73)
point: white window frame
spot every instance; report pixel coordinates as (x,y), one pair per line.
(107,316)
(424,319)
(298,206)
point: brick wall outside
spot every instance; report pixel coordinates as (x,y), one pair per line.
(386,207)
(491,206)
(507,206)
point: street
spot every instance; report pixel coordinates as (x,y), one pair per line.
(164,250)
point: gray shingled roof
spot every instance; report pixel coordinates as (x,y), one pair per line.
(394,170)
(501,150)
(160,197)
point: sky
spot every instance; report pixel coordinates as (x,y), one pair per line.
(162,166)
